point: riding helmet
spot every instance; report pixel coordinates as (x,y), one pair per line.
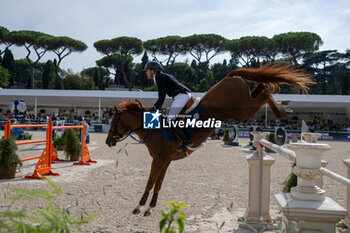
(153,65)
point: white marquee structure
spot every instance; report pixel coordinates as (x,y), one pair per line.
(307,104)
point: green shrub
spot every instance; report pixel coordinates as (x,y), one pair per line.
(271,138)
(8,156)
(58,141)
(151,88)
(98,128)
(214,135)
(51,218)
(226,137)
(73,147)
(24,136)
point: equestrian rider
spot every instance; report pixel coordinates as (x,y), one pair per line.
(168,85)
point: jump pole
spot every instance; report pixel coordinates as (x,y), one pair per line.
(85,154)
(43,166)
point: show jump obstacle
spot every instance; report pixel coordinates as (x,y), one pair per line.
(306,208)
(43,166)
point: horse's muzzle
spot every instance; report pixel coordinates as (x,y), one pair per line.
(111,141)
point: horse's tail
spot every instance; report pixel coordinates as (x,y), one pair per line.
(272,75)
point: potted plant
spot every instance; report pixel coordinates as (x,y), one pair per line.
(227,140)
(214,135)
(271,138)
(24,136)
(73,147)
(8,158)
(98,128)
(59,142)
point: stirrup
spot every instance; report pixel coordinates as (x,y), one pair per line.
(183,146)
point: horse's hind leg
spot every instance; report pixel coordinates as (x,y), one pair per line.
(271,102)
(258,89)
(156,190)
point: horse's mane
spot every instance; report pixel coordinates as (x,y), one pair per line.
(131,105)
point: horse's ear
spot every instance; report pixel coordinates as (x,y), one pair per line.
(139,103)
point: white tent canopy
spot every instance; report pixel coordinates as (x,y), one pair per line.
(108,99)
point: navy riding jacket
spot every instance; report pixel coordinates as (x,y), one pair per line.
(168,85)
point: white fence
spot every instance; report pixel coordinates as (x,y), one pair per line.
(306,208)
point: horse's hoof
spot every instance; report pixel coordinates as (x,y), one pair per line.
(147,212)
(136,211)
(288,110)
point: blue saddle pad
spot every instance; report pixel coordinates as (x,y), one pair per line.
(170,136)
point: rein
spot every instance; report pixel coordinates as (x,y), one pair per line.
(119,137)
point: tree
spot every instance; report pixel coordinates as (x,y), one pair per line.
(79,82)
(250,48)
(118,62)
(9,63)
(22,72)
(63,46)
(220,70)
(5,39)
(118,53)
(321,64)
(31,40)
(184,73)
(100,76)
(4,77)
(141,79)
(203,48)
(48,74)
(346,73)
(170,47)
(295,46)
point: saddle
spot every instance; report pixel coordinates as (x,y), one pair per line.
(190,105)
(191,108)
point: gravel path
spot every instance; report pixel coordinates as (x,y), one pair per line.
(213,181)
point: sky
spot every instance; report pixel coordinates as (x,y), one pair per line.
(90,21)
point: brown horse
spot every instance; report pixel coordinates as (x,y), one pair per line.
(228,99)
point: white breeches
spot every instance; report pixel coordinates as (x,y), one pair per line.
(179,102)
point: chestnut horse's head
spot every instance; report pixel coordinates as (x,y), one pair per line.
(122,124)
(116,131)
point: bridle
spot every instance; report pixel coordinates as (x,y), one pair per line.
(119,137)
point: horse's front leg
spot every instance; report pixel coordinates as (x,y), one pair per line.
(156,190)
(155,171)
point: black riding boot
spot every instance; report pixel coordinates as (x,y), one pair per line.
(186,140)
